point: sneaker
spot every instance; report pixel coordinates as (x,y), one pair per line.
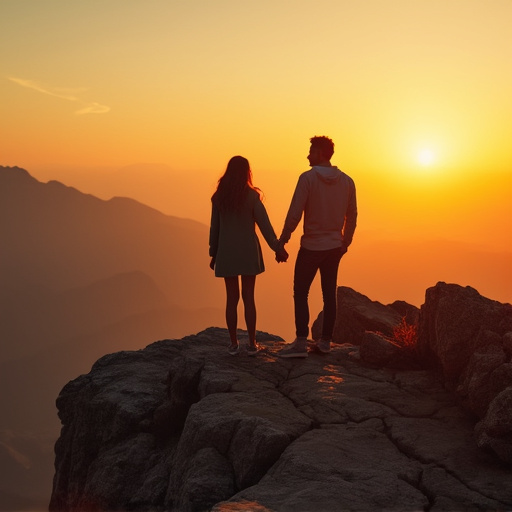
(324,346)
(233,350)
(296,349)
(252,350)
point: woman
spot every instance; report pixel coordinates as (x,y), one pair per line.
(234,246)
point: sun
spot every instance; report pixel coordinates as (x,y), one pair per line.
(426,157)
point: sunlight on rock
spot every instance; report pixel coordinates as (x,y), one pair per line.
(330,388)
(330,379)
(332,369)
(241,506)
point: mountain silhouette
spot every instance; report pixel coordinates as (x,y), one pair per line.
(166,188)
(56,239)
(81,277)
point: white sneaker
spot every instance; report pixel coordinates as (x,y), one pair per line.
(298,348)
(324,346)
(253,350)
(233,350)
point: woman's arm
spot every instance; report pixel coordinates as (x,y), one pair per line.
(263,222)
(214,231)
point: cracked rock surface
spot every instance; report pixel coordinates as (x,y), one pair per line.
(183,426)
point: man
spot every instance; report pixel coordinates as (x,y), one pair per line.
(327,197)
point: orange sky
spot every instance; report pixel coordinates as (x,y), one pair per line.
(415,94)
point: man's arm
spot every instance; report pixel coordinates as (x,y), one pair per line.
(297,205)
(349,226)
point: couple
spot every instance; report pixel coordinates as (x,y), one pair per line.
(327,198)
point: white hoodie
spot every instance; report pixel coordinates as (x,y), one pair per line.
(327,196)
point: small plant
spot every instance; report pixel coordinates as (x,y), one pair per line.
(405,335)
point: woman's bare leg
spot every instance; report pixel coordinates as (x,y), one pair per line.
(248,284)
(232,298)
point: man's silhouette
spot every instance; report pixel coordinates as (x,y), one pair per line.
(327,198)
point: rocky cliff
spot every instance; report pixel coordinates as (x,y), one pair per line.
(183,426)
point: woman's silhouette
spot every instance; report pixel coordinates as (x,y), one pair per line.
(234,246)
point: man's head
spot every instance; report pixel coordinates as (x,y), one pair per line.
(321,150)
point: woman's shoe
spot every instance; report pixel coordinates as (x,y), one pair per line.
(252,350)
(233,350)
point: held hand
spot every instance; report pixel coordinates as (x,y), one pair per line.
(281,255)
(212,263)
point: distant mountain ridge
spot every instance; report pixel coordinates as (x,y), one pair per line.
(166,188)
(81,277)
(77,238)
(55,239)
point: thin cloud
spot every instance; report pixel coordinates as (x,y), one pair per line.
(58,93)
(93,108)
(62,93)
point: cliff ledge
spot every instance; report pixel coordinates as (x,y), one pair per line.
(183,426)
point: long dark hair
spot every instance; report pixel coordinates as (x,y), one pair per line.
(234,185)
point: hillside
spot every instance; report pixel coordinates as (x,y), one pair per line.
(57,239)
(81,277)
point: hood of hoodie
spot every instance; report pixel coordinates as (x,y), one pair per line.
(328,175)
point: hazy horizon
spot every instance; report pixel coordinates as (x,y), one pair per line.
(168,191)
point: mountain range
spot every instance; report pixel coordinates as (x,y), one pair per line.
(81,277)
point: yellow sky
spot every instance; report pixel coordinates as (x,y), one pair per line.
(184,83)
(415,93)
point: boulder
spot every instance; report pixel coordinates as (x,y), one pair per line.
(380,351)
(494,431)
(487,374)
(455,322)
(407,311)
(356,314)
(465,338)
(377,350)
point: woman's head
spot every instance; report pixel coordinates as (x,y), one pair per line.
(233,185)
(238,171)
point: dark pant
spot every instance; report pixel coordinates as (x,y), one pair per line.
(307,264)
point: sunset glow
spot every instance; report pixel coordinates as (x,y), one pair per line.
(426,157)
(117,120)
(160,94)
